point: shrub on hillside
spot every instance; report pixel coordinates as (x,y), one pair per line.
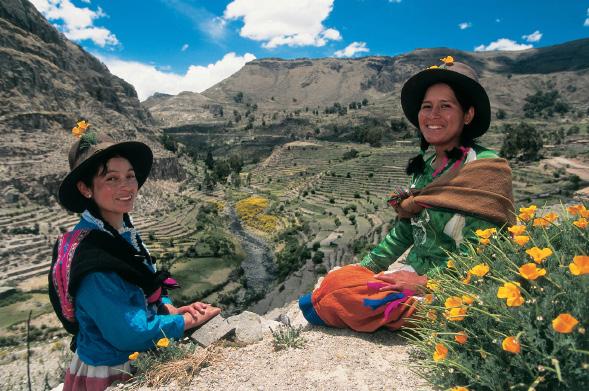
(512,312)
(251,212)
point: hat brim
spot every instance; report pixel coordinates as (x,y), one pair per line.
(138,154)
(414,90)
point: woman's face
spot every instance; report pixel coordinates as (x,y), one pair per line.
(441,118)
(113,190)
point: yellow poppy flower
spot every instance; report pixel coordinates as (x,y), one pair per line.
(451,264)
(510,291)
(163,343)
(581,223)
(517,229)
(440,353)
(564,323)
(539,254)
(448,60)
(584,213)
(459,388)
(432,284)
(521,239)
(580,265)
(467,299)
(551,217)
(484,241)
(485,233)
(541,223)
(530,271)
(80,129)
(133,356)
(480,270)
(510,344)
(433,67)
(530,209)
(576,209)
(461,337)
(453,301)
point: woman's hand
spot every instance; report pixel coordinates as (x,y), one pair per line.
(402,280)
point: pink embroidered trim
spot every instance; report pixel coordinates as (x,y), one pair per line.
(67,245)
(458,162)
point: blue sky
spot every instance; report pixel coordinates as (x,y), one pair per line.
(176,45)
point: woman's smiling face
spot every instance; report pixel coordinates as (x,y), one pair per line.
(441,118)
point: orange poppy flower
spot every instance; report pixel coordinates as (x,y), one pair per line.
(440,353)
(163,343)
(517,229)
(133,356)
(453,301)
(551,217)
(541,223)
(461,337)
(580,265)
(539,254)
(510,291)
(480,270)
(459,388)
(448,60)
(429,298)
(564,323)
(521,239)
(466,280)
(485,233)
(530,271)
(576,209)
(467,299)
(581,223)
(510,344)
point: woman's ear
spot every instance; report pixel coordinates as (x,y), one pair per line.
(469,115)
(83,189)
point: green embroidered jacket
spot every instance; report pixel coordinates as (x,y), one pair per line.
(431,233)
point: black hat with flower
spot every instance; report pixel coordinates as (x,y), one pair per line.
(459,76)
(89,149)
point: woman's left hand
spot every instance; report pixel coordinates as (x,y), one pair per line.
(402,280)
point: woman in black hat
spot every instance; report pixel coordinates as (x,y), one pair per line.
(103,284)
(458,189)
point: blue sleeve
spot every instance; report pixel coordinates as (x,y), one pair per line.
(118,309)
(167,300)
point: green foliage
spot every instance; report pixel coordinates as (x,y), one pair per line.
(351,154)
(238,97)
(548,359)
(545,104)
(169,143)
(522,141)
(500,114)
(318,257)
(286,337)
(398,125)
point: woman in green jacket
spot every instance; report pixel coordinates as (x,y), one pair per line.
(459,188)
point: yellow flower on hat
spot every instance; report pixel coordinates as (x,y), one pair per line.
(133,356)
(433,67)
(80,129)
(580,265)
(448,60)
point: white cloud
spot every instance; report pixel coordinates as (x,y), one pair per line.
(352,49)
(184,47)
(395,1)
(209,24)
(284,22)
(586,24)
(464,25)
(534,37)
(76,23)
(147,79)
(502,44)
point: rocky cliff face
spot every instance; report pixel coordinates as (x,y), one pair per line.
(47,83)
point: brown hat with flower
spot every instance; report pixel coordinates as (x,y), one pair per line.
(88,150)
(460,76)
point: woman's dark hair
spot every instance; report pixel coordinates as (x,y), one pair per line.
(416,164)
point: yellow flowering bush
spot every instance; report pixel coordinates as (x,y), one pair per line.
(511,313)
(251,212)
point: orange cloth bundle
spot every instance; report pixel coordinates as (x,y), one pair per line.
(346,299)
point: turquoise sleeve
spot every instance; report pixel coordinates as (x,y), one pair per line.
(390,248)
(119,312)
